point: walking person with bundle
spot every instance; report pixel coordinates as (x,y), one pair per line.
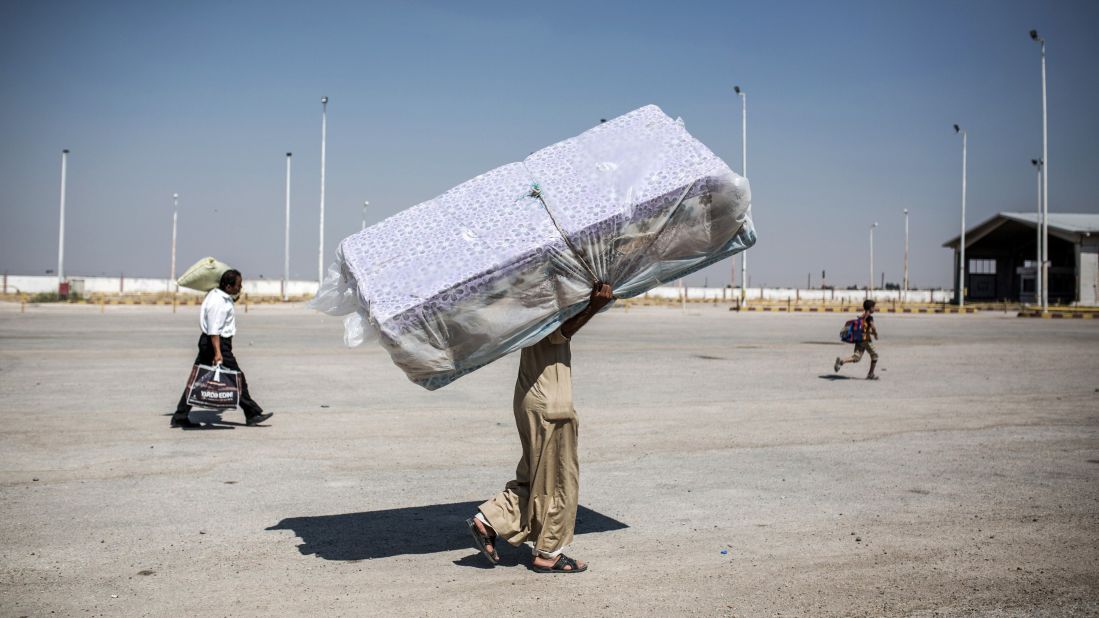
(217,319)
(860,332)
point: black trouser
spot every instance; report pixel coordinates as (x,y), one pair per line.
(206,357)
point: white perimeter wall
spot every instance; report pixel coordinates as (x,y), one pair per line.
(267,287)
(792,294)
(126,285)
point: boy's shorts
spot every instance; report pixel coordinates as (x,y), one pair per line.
(865,346)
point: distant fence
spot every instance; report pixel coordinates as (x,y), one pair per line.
(14,284)
(800,295)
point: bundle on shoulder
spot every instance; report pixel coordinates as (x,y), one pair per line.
(204,275)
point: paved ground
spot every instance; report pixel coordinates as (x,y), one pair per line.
(726,471)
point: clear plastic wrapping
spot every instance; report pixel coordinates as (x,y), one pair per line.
(498,262)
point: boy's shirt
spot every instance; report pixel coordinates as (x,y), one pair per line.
(868,325)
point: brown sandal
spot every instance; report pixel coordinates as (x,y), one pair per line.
(482,541)
(564,564)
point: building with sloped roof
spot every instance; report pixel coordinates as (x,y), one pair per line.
(1002,258)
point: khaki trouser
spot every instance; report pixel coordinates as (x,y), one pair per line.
(540,504)
(863,346)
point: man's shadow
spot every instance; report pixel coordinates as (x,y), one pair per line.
(211,419)
(411,530)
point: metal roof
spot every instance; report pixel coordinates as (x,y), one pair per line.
(1073,223)
(1069,226)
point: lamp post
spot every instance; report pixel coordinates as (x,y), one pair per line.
(960,291)
(365,204)
(743,172)
(905,296)
(1044,265)
(61,226)
(874,225)
(175,217)
(1039,279)
(286,237)
(324,139)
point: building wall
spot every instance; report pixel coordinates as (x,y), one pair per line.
(1087,269)
(1011,250)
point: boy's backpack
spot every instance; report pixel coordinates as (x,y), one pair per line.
(852,331)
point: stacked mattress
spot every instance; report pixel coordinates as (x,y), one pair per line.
(498,262)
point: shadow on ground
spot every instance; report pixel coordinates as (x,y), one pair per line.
(412,530)
(210,419)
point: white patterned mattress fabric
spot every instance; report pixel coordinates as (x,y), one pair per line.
(500,261)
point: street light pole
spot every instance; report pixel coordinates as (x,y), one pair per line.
(175,217)
(875,224)
(365,204)
(286,237)
(905,297)
(1045,179)
(61,226)
(1038,278)
(743,172)
(324,138)
(961,246)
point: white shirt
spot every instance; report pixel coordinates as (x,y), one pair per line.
(217,316)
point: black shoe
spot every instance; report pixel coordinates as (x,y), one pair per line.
(259,418)
(184,423)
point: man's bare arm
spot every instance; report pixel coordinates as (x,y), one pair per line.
(216,340)
(601,295)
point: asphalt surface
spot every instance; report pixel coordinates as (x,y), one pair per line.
(726,471)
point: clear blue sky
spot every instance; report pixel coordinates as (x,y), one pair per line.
(850,113)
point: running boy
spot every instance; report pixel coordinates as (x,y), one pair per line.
(866,345)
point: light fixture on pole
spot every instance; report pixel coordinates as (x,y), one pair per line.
(175,217)
(324,139)
(905,296)
(286,237)
(743,172)
(874,225)
(61,226)
(1038,278)
(960,288)
(1044,265)
(365,204)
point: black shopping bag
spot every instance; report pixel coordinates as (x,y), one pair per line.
(213,387)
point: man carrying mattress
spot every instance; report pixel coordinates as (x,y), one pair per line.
(217,320)
(539,505)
